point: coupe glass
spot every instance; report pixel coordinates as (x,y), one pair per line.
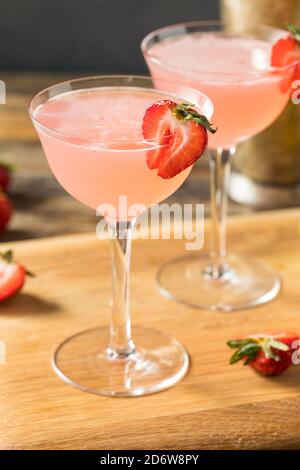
(245,103)
(120,360)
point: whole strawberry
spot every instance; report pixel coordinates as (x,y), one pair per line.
(268,354)
(12,275)
(5,211)
(5,176)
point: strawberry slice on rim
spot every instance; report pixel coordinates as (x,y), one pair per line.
(180,136)
(286,51)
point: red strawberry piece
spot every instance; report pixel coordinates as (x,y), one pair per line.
(5,211)
(5,176)
(286,51)
(179,131)
(12,276)
(156,127)
(268,354)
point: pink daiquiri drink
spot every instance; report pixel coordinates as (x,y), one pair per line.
(102,138)
(248,93)
(101,154)
(233,71)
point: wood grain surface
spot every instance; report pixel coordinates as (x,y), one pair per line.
(216,406)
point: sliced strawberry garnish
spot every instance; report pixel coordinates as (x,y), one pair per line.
(286,51)
(180,133)
(156,127)
(12,276)
(268,354)
(188,144)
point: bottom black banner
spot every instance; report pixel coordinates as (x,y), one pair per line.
(137,459)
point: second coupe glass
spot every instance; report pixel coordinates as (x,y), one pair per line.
(234,70)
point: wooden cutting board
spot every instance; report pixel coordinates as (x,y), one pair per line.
(216,406)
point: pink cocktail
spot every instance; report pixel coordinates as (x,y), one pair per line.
(101,152)
(91,132)
(234,70)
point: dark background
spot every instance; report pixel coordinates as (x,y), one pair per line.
(83,35)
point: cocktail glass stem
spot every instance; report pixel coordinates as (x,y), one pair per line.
(121,344)
(219,162)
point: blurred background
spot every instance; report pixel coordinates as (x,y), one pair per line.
(90,35)
(43,42)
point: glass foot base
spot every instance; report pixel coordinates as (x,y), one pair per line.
(158,363)
(248,283)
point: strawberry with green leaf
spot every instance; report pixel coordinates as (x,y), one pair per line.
(180,133)
(268,354)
